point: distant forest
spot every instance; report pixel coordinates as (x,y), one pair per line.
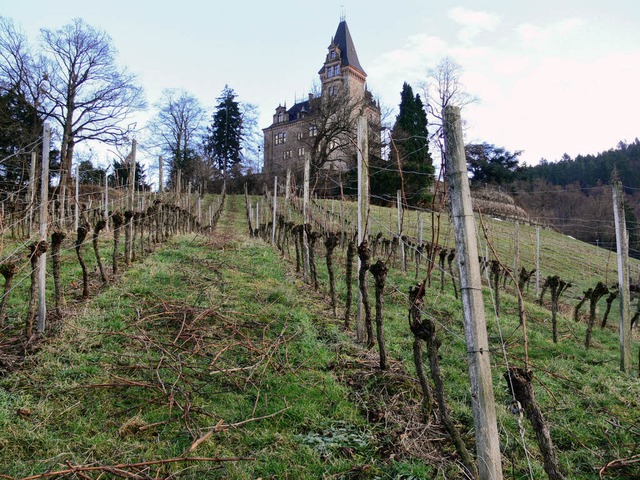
(574,195)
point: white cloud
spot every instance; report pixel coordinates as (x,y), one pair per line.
(560,106)
(473,22)
(535,36)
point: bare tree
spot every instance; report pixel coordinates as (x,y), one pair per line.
(331,139)
(443,87)
(86,92)
(176,131)
(20,72)
(252,138)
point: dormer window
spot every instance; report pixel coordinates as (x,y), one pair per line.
(333,54)
(280,117)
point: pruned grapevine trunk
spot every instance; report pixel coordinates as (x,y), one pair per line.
(8,271)
(365,254)
(83,230)
(379,271)
(56,242)
(96,232)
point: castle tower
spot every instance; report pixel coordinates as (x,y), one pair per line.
(306,127)
(342,68)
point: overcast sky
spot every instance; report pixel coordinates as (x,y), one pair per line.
(552,77)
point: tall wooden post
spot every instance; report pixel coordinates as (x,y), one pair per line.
(287,193)
(257,215)
(275,208)
(132,174)
(44,213)
(131,198)
(305,215)
(77,199)
(484,413)
(160,175)
(516,249)
(622,245)
(32,191)
(106,199)
(537,263)
(400,242)
(363,208)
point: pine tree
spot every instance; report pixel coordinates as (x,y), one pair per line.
(411,146)
(225,134)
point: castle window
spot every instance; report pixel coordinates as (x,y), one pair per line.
(281,138)
(286,154)
(281,117)
(329,72)
(333,54)
(300,135)
(300,151)
(333,89)
(313,131)
(336,70)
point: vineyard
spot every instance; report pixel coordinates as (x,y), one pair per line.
(208,354)
(265,339)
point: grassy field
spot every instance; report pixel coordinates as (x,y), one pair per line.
(213,348)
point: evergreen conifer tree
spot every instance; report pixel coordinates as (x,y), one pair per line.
(223,142)
(411,147)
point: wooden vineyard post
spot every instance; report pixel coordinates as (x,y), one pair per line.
(275,210)
(484,412)
(305,216)
(160,176)
(403,260)
(622,246)
(537,263)
(32,191)
(363,210)
(419,248)
(77,199)
(516,249)
(287,188)
(44,202)
(130,200)
(106,200)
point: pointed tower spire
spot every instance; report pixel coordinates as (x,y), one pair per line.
(348,53)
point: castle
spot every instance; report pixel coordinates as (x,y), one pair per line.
(324,125)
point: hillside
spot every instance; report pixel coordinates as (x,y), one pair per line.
(211,358)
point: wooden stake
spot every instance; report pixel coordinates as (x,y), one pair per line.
(363,209)
(44,202)
(400,242)
(537,263)
(484,413)
(622,245)
(305,214)
(275,208)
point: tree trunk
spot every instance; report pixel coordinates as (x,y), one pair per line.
(82,235)
(379,271)
(36,250)
(96,232)
(519,383)
(351,252)
(330,244)
(56,242)
(365,254)
(8,271)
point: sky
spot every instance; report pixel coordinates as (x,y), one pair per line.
(551,77)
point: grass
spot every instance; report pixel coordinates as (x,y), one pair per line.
(217,331)
(592,407)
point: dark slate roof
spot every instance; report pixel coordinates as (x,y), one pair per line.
(297,108)
(348,53)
